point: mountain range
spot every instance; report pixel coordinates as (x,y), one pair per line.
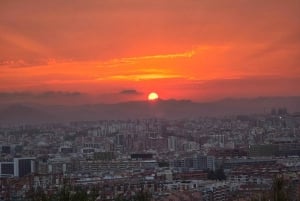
(22,113)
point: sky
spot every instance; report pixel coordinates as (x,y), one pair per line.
(108,51)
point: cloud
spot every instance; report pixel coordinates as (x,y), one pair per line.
(130,92)
(92,29)
(53,94)
(140,77)
(14,95)
(146,67)
(131,43)
(27,50)
(20,63)
(134,60)
(251,86)
(289,42)
(23,95)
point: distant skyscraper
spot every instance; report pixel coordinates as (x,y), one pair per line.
(172,143)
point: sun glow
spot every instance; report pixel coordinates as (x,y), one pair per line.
(152,96)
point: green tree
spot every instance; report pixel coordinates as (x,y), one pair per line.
(93,194)
(79,195)
(261,197)
(64,194)
(211,175)
(279,190)
(142,196)
(120,198)
(220,174)
(36,195)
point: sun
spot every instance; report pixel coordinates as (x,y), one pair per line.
(152,96)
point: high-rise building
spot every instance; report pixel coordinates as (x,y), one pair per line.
(23,166)
(172,143)
(204,162)
(18,167)
(6,169)
(197,162)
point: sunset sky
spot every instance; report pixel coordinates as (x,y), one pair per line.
(90,51)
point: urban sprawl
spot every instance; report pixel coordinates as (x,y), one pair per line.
(243,157)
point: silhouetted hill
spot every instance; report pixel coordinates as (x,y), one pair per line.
(18,113)
(173,109)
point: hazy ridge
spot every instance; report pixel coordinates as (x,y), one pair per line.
(172,109)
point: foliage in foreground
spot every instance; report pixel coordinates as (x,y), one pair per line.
(65,194)
(279,192)
(79,194)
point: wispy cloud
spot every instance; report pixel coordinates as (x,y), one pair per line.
(139,77)
(46,94)
(287,42)
(134,60)
(145,67)
(22,41)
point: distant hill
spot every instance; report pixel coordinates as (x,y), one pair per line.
(174,109)
(18,113)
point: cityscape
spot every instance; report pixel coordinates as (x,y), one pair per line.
(208,158)
(147,100)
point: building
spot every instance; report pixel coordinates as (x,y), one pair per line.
(204,162)
(263,150)
(23,166)
(6,149)
(279,149)
(6,169)
(18,167)
(232,163)
(172,143)
(196,162)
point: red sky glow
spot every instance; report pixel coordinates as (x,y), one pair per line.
(121,50)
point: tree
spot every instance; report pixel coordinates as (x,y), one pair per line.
(64,194)
(279,191)
(93,194)
(36,195)
(220,174)
(261,197)
(211,175)
(217,174)
(140,196)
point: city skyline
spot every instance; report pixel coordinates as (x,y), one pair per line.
(114,51)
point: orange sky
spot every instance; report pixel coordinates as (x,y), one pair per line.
(120,50)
